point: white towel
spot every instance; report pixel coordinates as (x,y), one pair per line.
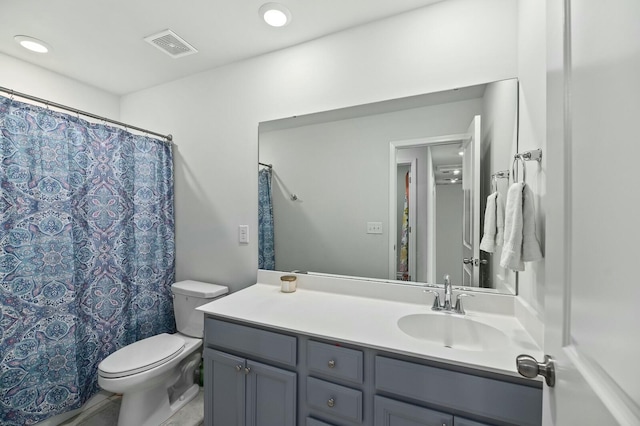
(520,241)
(531,251)
(493,223)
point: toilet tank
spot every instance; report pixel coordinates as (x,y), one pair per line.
(187,296)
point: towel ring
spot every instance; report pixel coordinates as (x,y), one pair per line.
(524,169)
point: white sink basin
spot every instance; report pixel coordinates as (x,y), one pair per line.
(453,332)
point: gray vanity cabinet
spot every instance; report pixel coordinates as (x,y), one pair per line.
(389,412)
(257,376)
(245,392)
(240,389)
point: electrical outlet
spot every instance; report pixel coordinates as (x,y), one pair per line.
(374,227)
(243,234)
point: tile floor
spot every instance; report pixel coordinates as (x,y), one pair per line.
(105,413)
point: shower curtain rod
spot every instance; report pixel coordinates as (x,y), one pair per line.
(265,164)
(169,138)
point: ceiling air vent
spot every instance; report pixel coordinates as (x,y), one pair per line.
(171,44)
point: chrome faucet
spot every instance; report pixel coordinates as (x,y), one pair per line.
(448,291)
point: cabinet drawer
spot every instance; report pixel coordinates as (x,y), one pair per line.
(334,399)
(504,401)
(251,341)
(389,412)
(313,422)
(335,361)
(459,421)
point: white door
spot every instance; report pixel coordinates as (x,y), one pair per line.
(592,325)
(470,208)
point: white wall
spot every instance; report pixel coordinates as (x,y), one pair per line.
(214,115)
(30,79)
(498,146)
(533,125)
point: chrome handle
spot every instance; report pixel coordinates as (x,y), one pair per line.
(436,300)
(468,261)
(530,368)
(247,370)
(238,367)
(331,402)
(478,262)
(332,363)
(458,308)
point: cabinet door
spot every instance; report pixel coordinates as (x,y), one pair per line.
(271,396)
(389,412)
(459,421)
(224,388)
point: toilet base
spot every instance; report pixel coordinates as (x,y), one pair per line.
(153,406)
(149,409)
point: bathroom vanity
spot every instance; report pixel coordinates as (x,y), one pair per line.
(329,358)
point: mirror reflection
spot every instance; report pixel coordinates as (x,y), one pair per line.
(394,190)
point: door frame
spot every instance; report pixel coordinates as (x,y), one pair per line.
(393,185)
(413,210)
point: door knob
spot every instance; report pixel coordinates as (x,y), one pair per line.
(468,261)
(478,262)
(529,367)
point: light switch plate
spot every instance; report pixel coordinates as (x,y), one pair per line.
(243,234)
(374,227)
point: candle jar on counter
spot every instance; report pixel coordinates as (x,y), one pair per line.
(288,283)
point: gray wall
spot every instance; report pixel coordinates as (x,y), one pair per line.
(449,239)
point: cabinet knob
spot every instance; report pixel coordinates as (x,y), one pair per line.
(331,402)
(247,370)
(332,363)
(238,367)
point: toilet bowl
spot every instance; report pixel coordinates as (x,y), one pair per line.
(156,375)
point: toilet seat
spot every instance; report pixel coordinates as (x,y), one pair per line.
(141,356)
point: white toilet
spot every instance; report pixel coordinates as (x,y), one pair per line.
(156,375)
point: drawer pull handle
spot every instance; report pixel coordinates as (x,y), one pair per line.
(332,363)
(238,367)
(247,370)
(331,402)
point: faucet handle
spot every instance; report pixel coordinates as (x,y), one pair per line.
(458,309)
(436,300)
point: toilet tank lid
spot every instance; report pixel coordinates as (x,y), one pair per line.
(199,289)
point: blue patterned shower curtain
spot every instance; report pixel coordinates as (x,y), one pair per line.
(266,252)
(86,254)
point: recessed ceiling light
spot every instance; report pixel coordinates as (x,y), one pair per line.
(32,44)
(456,172)
(275,14)
(461,153)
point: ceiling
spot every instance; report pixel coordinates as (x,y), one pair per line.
(101,42)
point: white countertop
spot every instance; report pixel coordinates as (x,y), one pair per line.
(367,321)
